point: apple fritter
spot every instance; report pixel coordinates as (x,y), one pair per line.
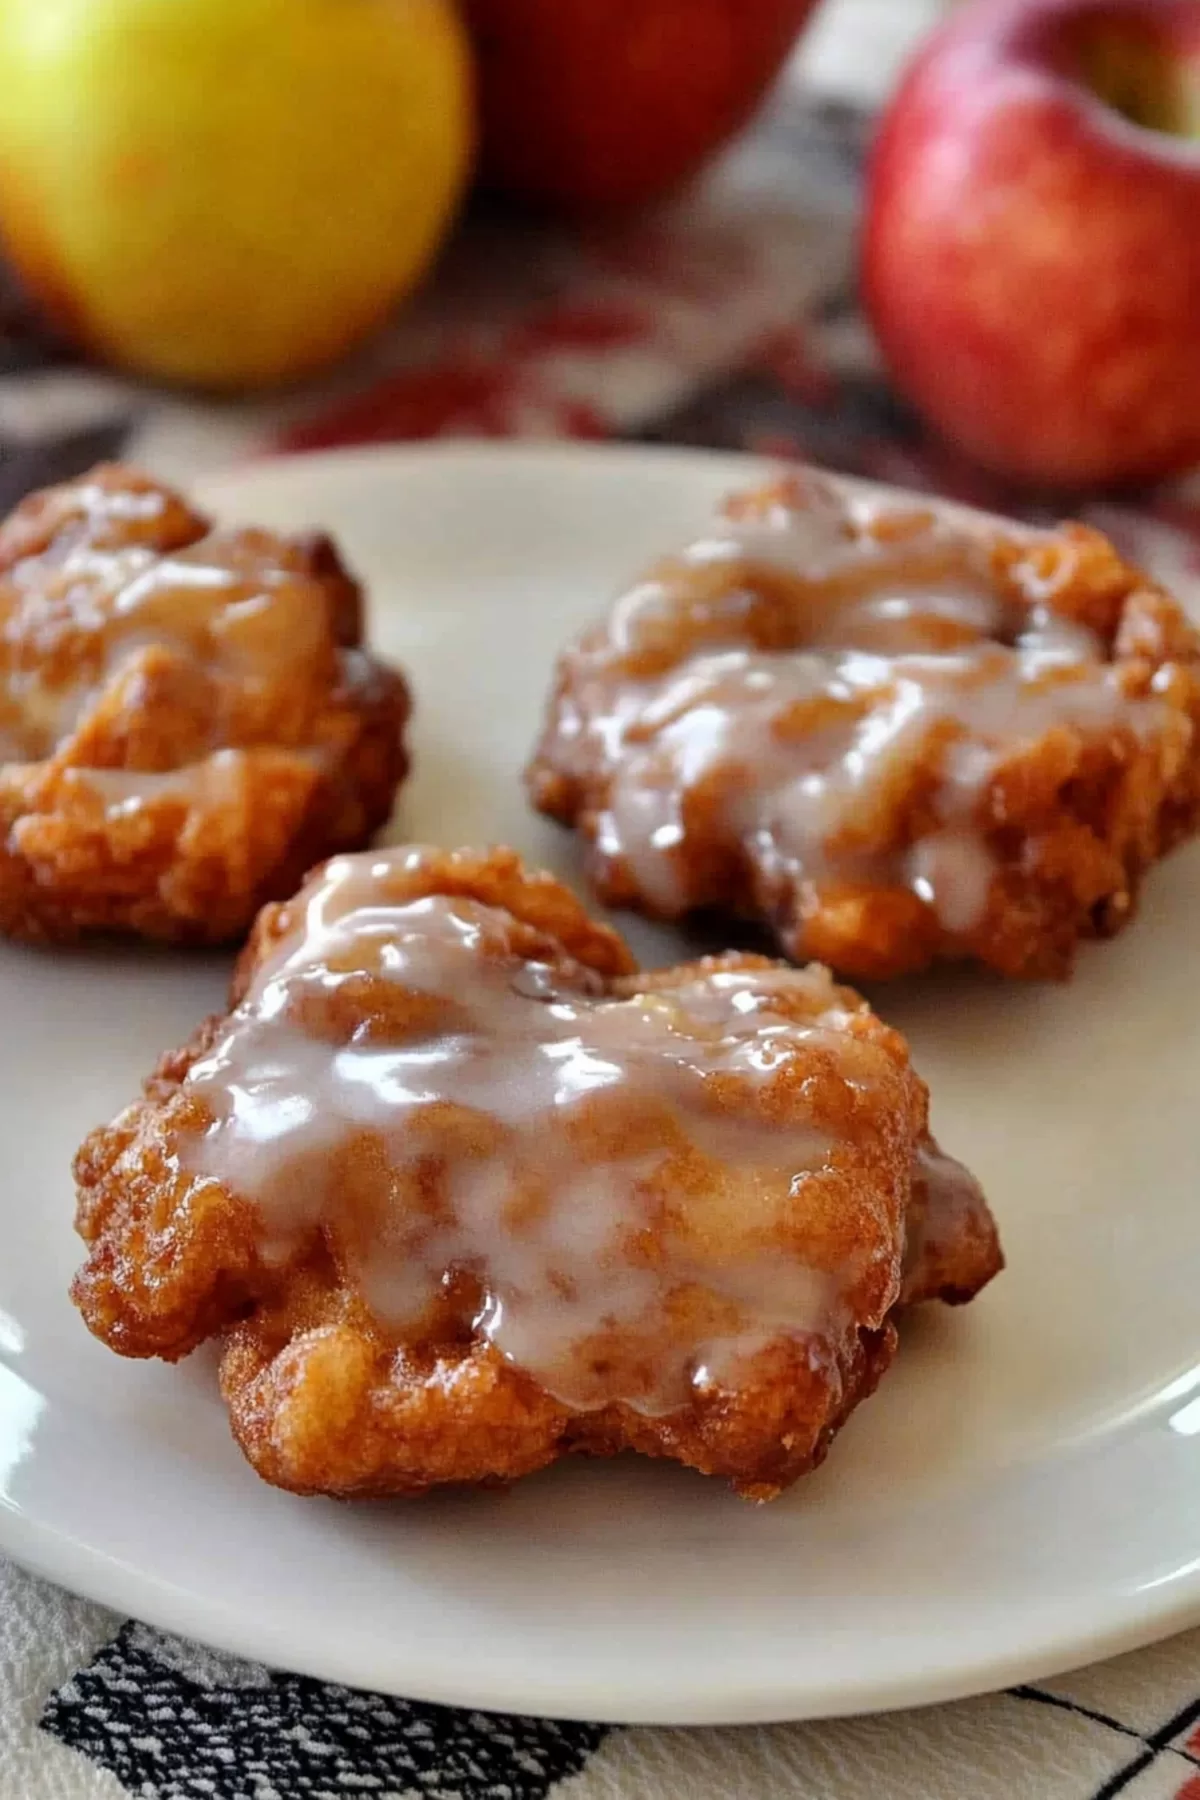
(891,733)
(463,1190)
(188,717)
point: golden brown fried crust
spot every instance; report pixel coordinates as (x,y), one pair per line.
(271,776)
(324,1399)
(498,878)
(321,1403)
(1072,821)
(952,1246)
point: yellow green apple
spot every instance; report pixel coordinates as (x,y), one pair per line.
(227,192)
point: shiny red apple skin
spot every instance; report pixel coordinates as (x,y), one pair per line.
(1031,258)
(590,105)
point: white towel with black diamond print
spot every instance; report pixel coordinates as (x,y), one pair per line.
(93,1709)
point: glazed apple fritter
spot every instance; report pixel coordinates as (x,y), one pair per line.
(463,1190)
(889,732)
(188,718)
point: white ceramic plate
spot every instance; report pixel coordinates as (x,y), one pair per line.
(1021,1495)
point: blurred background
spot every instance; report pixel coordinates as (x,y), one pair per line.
(232,228)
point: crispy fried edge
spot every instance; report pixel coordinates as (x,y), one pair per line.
(1067,874)
(171,874)
(320,1399)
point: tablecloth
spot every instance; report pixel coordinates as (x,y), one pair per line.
(727,319)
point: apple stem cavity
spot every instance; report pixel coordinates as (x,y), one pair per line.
(1137,74)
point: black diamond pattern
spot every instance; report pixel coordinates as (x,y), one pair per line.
(167,1736)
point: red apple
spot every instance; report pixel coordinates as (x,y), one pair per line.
(1032,248)
(592,104)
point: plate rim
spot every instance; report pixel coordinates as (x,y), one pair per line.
(58,1557)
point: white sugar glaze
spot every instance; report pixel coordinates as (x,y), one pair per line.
(902,652)
(245,631)
(504,1119)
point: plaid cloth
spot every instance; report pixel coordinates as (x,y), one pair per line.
(729,320)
